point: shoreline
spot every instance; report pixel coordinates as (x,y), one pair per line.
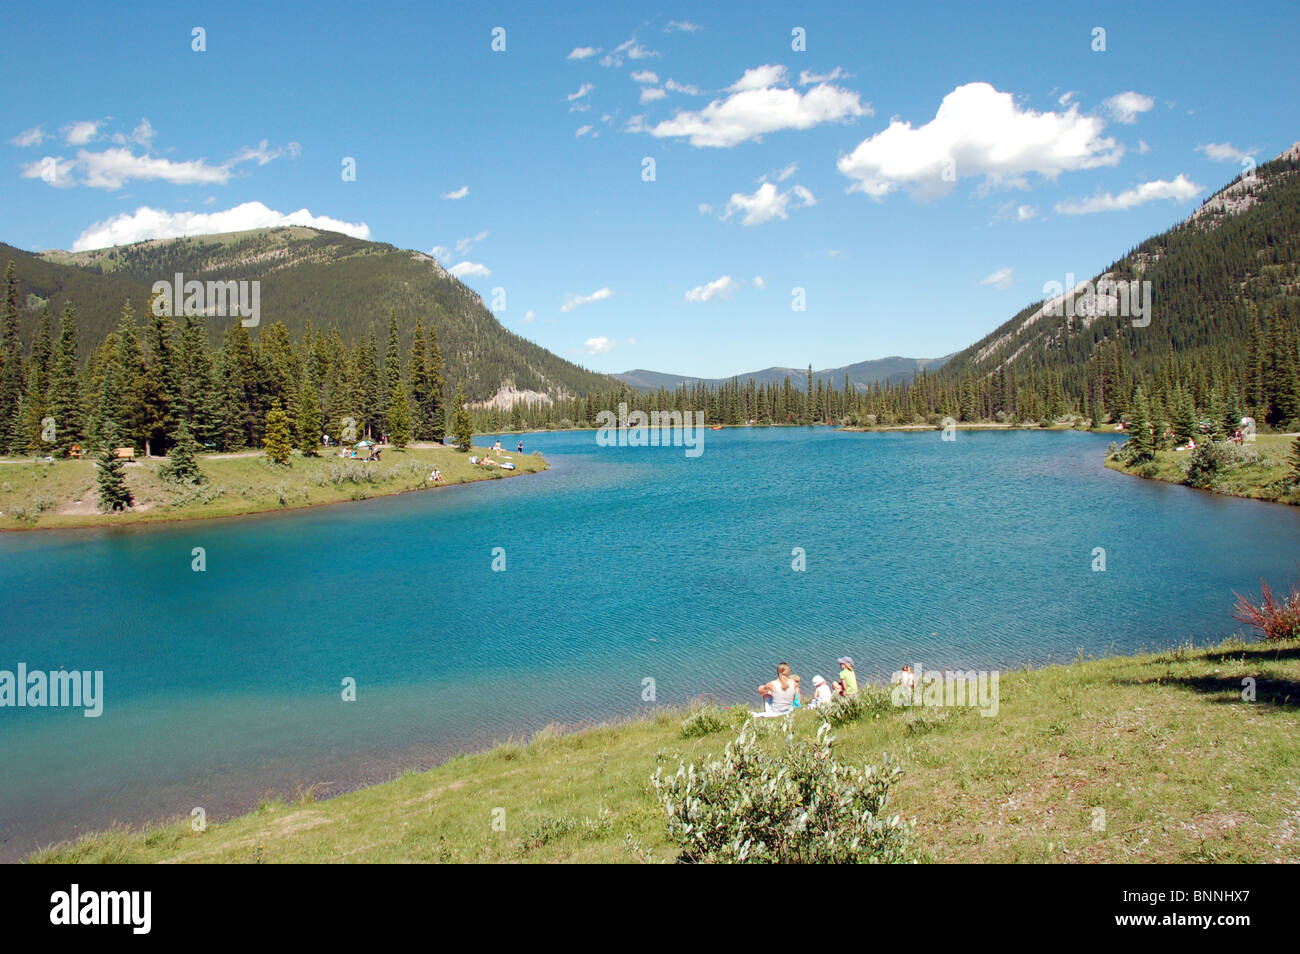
(165,516)
(292,820)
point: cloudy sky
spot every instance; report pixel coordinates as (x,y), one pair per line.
(659,186)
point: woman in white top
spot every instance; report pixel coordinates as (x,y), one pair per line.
(779,694)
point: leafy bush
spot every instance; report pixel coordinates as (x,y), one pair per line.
(1276,619)
(799,805)
(870,702)
(1205,464)
(709,719)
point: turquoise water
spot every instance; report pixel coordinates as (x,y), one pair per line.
(622,564)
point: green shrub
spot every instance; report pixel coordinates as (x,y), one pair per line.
(709,719)
(871,701)
(799,805)
(1205,464)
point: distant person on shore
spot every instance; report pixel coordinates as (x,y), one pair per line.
(436,476)
(905,677)
(779,694)
(847,676)
(821,693)
(521,447)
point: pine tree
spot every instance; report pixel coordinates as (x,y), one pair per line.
(399,417)
(65,387)
(277,440)
(114,494)
(464,425)
(182,465)
(12,373)
(1140,446)
(309,419)
(437,389)
(1295,461)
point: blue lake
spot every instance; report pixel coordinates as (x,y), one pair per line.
(622,565)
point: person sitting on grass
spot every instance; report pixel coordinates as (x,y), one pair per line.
(779,694)
(436,476)
(848,676)
(821,693)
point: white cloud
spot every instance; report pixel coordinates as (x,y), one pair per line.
(29,137)
(582,131)
(1000,279)
(631,49)
(758,106)
(807,77)
(113,168)
(79,134)
(760,77)
(645,76)
(144,134)
(441,253)
(705,208)
(529,315)
(573,301)
(264,154)
(977,131)
(767,203)
(599,345)
(723,287)
(650,93)
(582,52)
(583,90)
(1068,97)
(1124,107)
(688,88)
(470,269)
(1143,148)
(467,243)
(759,282)
(685,26)
(787,172)
(1224,152)
(1018,213)
(146,223)
(1179,190)
(457,193)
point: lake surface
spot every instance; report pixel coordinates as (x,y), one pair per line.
(622,565)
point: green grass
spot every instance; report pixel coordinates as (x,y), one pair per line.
(62,493)
(1266,479)
(1184,769)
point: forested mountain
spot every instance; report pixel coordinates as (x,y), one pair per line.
(307,276)
(1225,317)
(863,374)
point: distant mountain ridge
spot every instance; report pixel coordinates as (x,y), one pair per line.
(863,374)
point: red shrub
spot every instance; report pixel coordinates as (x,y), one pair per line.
(1277,619)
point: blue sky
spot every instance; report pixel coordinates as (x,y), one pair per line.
(919,170)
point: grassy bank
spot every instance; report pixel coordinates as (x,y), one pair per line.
(62,493)
(1183,768)
(1263,476)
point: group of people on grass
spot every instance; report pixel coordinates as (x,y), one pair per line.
(782,695)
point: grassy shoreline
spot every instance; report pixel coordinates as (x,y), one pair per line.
(1264,479)
(39,495)
(1150,758)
